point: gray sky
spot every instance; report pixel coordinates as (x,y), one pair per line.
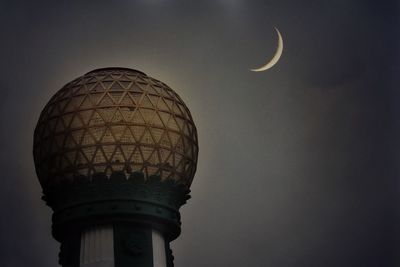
(297,165)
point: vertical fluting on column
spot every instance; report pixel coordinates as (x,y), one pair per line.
(97,247)
(159,255)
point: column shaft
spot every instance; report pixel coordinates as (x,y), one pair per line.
(97,247)
(159,255)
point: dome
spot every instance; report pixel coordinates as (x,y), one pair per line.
(115,120)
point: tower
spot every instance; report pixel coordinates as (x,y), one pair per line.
(115,152)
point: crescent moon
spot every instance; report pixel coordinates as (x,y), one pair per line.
(276,57)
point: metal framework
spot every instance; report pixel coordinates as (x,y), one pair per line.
(115,119)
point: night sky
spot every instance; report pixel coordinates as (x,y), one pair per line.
(298,165)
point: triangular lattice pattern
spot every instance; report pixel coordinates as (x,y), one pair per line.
(115,119)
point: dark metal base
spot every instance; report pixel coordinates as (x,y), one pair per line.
(131,204)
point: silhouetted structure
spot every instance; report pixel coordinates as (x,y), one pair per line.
(115,152)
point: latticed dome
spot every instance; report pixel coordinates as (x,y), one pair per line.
(115,119)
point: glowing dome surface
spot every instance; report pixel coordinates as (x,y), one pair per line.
(115,119)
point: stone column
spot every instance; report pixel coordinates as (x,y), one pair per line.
(97,247)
